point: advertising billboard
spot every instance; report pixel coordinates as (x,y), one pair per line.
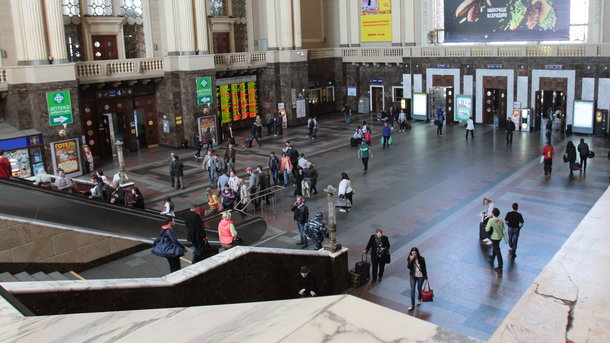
(375,20)
(420,106)
(463,108)
(583,117)
(66,155)
(506,20)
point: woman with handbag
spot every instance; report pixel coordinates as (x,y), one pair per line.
(168,246)
(379,245)
(345,191)
(226,231)
(417,271)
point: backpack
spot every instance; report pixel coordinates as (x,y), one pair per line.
(311,124)
(367,137)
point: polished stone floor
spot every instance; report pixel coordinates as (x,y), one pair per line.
(427,191)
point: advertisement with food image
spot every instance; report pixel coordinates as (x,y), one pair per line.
(506,20)
(66,156)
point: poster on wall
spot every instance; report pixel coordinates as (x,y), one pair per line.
(207,122)
(66,156)
(506,20)
(583,117)
(351,91)
(463,108)
(375,20)
(420,106)
(301,107)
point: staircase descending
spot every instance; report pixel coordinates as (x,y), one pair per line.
(39,276)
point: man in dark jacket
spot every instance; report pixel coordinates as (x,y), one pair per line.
(379,246)
(583,151)
(301,216)
(274,166)
(178,171)
(230,158)
(261,183)
(307,283)
(510,127)
(196,233)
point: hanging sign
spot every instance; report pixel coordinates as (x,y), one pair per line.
(204,90)
(59,106)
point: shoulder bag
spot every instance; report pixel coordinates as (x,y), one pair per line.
(164,247)
(427,294)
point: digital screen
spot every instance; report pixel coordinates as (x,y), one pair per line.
(506,20)
(583,116)
(463,108)
(237,101)
(420,106)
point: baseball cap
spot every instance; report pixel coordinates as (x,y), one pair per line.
(249,168)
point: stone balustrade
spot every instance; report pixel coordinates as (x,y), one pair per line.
(240,60)
(137,68)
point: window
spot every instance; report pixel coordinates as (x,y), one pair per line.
(397,93)
(330,94)
(99,7)
(133,29)
(71,16)
(315,95)
(217,8)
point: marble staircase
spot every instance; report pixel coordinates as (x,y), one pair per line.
(38,276)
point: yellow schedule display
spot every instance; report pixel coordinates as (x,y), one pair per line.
(375,20)
(237,101)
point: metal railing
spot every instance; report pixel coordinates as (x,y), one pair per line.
(276,196)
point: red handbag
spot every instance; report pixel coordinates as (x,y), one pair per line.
(427,294)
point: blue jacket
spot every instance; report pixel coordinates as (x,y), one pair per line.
(387,131)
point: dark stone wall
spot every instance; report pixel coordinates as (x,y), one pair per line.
(249,278)
(275,83)
(328,72)
(26,108)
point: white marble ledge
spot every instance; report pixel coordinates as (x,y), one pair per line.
(333,318)
(175,278)
(570,299)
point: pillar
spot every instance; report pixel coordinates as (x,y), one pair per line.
(285,25)
(31,23)
(170,34)
(408,22)
(296,12)
(396,22)
(186,27)
(272,43)
(55,31)
(201,27)
(354,23)
(343,24)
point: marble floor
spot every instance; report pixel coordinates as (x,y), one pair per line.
(426,191)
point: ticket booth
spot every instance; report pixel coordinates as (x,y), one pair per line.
(24,150)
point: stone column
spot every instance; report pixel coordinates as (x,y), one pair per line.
(343,24)
(408,20)
(186,26)
(296,12)
(116,6)
(332,244)
(201,27)
(354,23)
(32,33)
(170,33)
(396,22)
(55,31)
(285,25)
(272,43)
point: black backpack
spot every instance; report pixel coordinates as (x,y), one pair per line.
(311,124)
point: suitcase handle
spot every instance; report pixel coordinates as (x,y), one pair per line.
(364,257)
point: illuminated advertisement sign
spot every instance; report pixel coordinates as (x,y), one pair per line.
(463,108)
(237,98)
(583,117)
(506,20)
(420,106)
(375,20)
(66,156)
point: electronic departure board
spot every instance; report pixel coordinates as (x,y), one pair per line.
(237,98)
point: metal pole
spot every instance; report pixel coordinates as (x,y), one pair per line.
(332,244)
(119,150)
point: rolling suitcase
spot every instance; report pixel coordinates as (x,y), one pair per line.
(363,268)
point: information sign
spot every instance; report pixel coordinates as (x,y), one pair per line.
(60,108)
(204,90)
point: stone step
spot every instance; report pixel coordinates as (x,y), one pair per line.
(23,276)
(40,276)
(57,276)
(7,277)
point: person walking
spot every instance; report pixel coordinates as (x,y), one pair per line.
(172,158)
(485,216)
(286,168)
(379,246)
(547,153)
(196,233)
(386,134)
(261,182)
(269,123)
(168,207)
(510,128)
(178,171)
(273,163)
(258,122)
(514,221)
(208,140)
(226,231)
(347,114)
(402,121)
(310,127)
(167,232)
(364,151)
(469,128)
(312,175)
(418,273)
(440,119)
(583,151)
(212,200)
(254,136)
(495,225)
(345,190)
(570,156)
(228,198)
(198,145)
(209,165)
(301,216)
(229,157)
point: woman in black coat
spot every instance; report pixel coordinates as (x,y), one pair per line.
(379,245)
(418,272)
(571,156)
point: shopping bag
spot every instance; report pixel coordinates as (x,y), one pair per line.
(427,294)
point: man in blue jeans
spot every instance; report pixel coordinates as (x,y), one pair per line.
(496,226)
(301,216)
(514,221)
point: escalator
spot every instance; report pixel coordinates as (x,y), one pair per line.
(20,198)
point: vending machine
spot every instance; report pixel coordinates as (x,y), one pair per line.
(601,123)
(526,119)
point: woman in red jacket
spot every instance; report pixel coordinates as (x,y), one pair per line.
(285,168)
(226,231)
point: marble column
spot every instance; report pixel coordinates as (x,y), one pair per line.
(343,24)
(116,6)
(32,33)
(272,43)
(201,27)
(396,22)
(55,31)
(354,23)
(296,12)
(170,32)
(285,26)
(187,27)
(407,22)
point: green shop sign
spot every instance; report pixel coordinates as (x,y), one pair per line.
(60,108)
(204,90)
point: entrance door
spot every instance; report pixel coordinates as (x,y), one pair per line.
(445,84)
(550,97)
(494,100)
(145,112)
(377,98)
(104,47)
(221,42)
